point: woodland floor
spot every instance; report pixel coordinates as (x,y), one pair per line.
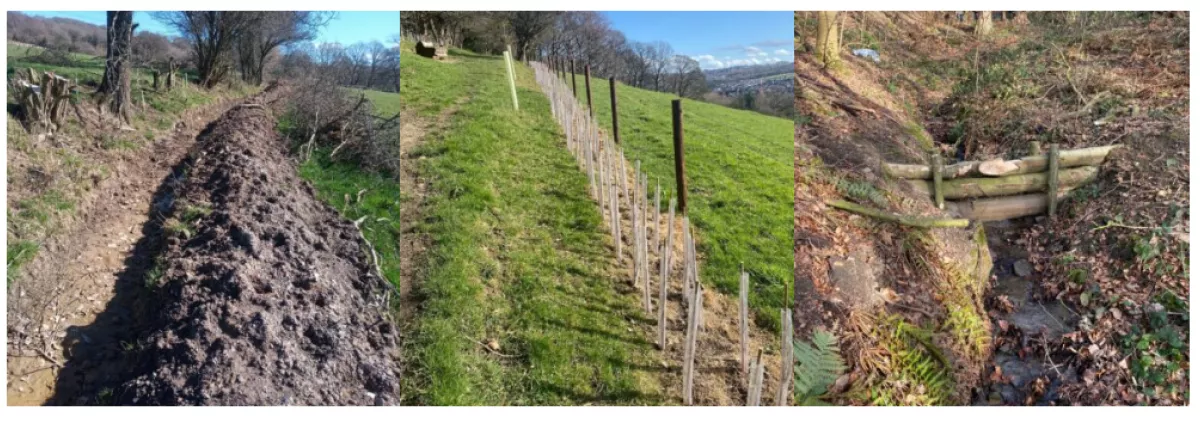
(1107,275)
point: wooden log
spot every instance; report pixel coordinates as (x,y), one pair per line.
(1003,208)
(958,189)
(920,222)
(1092,156)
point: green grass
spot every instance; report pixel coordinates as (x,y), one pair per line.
(517,255)
(386,104)
(380,204)
(35,213)
(739,170)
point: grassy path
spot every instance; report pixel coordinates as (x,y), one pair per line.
(520,302)
(739,168)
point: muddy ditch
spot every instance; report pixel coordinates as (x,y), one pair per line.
(253,291)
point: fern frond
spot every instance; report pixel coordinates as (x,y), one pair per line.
(818,365)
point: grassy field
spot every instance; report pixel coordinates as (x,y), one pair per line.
(518,256)
(739,175)
(386,104)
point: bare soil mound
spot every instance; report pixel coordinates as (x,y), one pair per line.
(267,295)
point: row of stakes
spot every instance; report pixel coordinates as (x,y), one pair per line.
(618,193)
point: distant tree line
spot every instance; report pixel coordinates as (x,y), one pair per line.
(220,45)
(371,65)
(70,35)
(585,37)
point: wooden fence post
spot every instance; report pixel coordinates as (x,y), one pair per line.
(574,86)
(938,195)
(680,176)
(1052,178)
(587,84)
(612,94)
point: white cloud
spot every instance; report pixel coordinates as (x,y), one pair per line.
(755,52)
(707,61)
(783,52)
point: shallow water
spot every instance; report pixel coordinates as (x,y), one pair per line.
(1033,319)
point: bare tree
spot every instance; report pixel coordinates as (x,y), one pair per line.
(115,85)
(211,36)
(272,30)
(526,27)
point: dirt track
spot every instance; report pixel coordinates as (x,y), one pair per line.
(243,288)
(271,298)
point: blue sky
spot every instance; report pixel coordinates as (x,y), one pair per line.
(346,28)
(715,39)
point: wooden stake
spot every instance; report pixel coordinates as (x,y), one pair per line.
(743,317)
(936,163)
(754,397)
(785,365)
(693,332)
(665,267)
(1052,179)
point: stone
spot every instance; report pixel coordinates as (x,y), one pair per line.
(1022,268)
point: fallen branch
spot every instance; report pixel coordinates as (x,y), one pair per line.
(374,256)
(920,222)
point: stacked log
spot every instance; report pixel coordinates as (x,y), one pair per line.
(1003,189)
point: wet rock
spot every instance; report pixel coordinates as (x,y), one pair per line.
(1022,268)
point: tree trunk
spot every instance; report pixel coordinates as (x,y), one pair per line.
(983,25)
(1092,156)
(956,189)
(827,39)
(1021,18)
(115,85)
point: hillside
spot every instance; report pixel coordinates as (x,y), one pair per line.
(735,80)
(738,187)
(518,297)
(1085,305)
